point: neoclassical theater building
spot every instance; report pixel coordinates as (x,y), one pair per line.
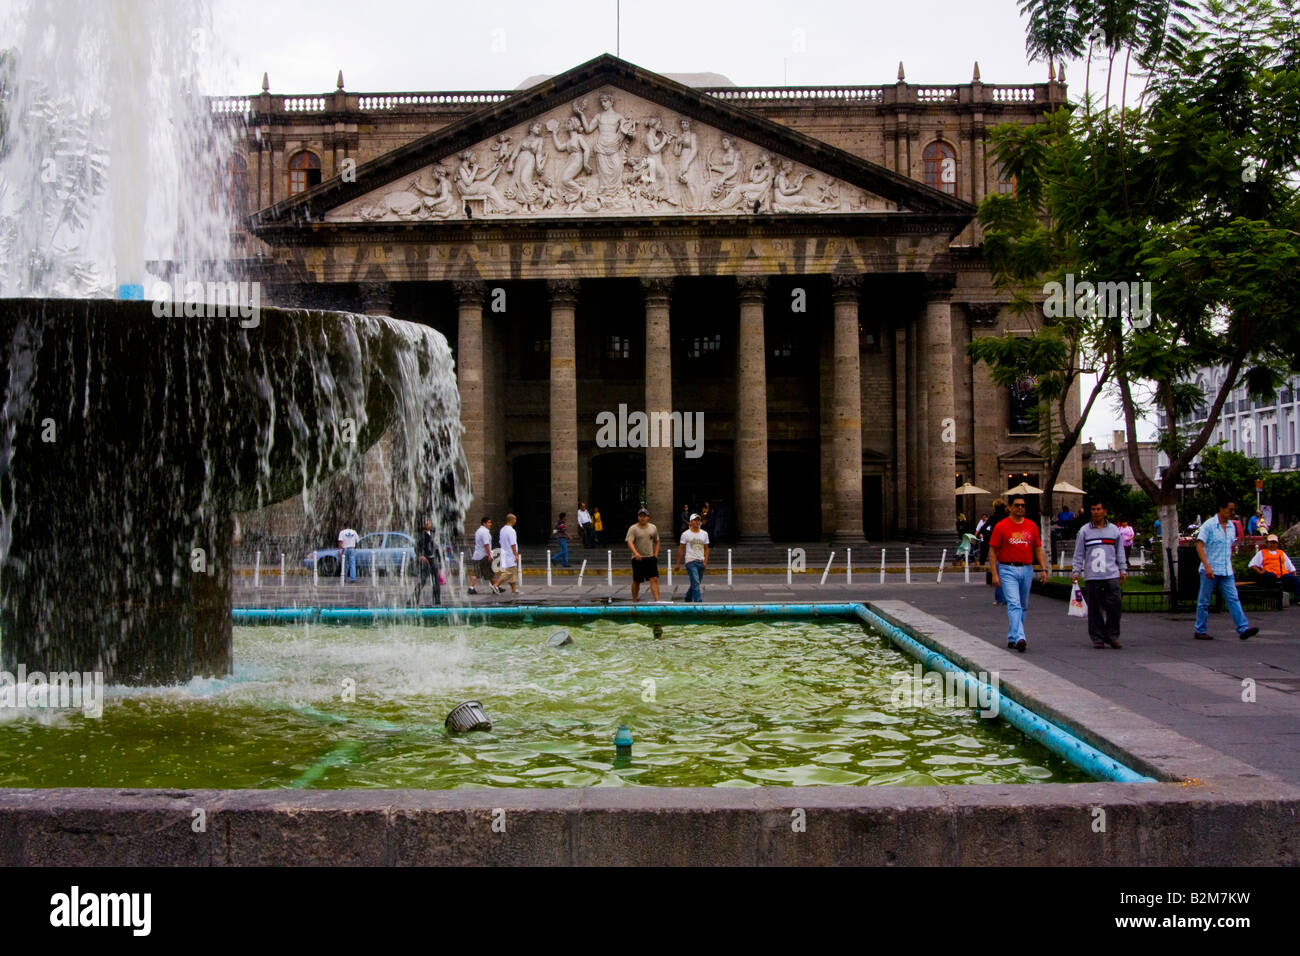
(781,283)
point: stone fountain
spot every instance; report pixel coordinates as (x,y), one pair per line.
(128,442)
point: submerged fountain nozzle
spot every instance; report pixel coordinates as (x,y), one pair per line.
(468,716)
(559,638)
(623,741)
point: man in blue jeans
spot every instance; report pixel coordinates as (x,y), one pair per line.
(1214,547)
(1013,546)
(693,553)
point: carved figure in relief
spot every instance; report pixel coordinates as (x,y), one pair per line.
(788,191)
(690,173)
(754,191)
(579,154)
(439,201)
(526,163)
(612,129)
(417,201)
(475,182)
(656,138)
(727,168)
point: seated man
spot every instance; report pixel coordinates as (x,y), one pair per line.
(1272,564)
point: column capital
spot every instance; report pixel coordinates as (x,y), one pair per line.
(751,288)
(658,288)
(982,314)
(563,291)
(469,291)
(377,298)
(845,286)
(939,285)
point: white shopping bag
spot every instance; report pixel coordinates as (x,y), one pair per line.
(1078,607)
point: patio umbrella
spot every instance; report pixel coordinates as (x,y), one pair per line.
(969,489)
(1068,488)
(1024,488)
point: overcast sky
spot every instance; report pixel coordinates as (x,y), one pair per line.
(398,45)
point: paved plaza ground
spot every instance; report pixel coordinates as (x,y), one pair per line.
(1194,687)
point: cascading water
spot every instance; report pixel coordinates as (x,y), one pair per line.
(132,433)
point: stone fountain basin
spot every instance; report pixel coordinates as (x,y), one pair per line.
(128,441)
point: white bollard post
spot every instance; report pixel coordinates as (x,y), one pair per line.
(1142,553)
(257,570)
(342,567)
(401,575)
(315,571)
(907,565)
(581,571)
(374,572)
(462,573)
(670,570)
(548,567)
(967,581)
(882,565)
(1061,563)
(943,559)
(519,565)
(728,567)
(609,569)
(281,569)
(828,569)
(848,566)
(789,579)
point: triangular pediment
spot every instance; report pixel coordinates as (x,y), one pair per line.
(608,139)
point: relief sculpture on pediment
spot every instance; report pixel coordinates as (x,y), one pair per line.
(626,158)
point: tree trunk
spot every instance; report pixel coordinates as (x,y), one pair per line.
(1168,512)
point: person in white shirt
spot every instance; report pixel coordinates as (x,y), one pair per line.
(482,556)
(347,552)
(584,524)
(509,552)
(693,554)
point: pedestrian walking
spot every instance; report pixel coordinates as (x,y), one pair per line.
(561,532)
(693,555)
(684,520)
(643,541)
(1214,543)
(1013,546)
(427,556)
(348,552)
(584,525)
(482,556)
(1126,535)
(1099,556)
(509,546)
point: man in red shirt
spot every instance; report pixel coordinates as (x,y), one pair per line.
(1013,546)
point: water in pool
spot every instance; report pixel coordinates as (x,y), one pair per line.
(708,705)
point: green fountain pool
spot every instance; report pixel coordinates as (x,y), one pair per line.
(771,703)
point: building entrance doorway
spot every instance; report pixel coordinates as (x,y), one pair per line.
(794,501)
(530,499)
(618,490)
(697,480)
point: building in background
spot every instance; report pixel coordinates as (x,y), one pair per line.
(798,269)
(1114,460)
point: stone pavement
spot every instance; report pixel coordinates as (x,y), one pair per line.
(1194,687)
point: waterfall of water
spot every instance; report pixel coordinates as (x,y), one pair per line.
(107,155)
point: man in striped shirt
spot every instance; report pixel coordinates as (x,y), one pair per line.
(1099,554)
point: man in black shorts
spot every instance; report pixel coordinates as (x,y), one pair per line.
(643,541)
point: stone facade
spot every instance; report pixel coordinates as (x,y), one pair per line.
(796,269)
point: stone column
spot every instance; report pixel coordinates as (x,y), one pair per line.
(847,411)
(940,420)
(659,399)
(751,414)
(471,380)
(914,431)
(564,402)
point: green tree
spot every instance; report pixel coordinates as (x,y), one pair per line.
(1195,192)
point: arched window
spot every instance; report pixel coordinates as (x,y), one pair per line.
(304,171)
(237,183)
(940,166)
